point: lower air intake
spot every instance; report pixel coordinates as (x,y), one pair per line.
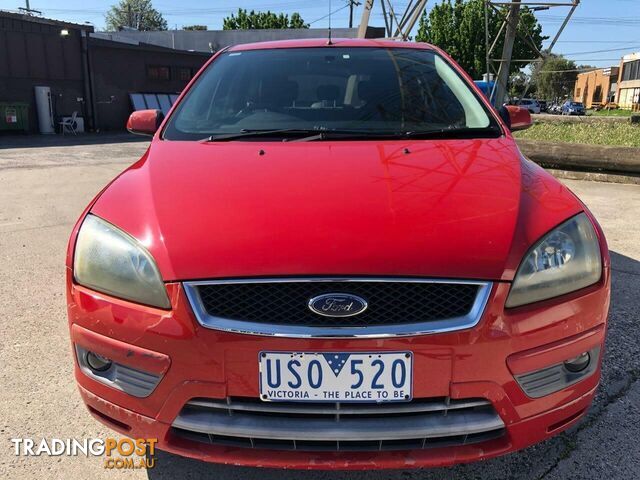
(413,425)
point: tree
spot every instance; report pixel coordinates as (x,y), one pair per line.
(194,27)
(138,14)
(458,28)
(519,82)
(555,77)
(260,20)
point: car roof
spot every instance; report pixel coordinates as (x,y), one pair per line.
(336,42)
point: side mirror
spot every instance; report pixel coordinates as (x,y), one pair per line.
(145,122)
(519,118)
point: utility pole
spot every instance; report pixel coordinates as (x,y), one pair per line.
(352,3)
(403,24)
(507,51)
(364,21)
(509,28)
(28,10)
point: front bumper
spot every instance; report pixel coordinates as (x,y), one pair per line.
(483,362)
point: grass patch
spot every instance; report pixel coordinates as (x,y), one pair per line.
(609,113)
(600,133)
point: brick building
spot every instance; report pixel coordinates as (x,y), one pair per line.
(596,87)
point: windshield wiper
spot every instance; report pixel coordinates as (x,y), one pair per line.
(309,135)
(454,132)
(248,133)
(443,133)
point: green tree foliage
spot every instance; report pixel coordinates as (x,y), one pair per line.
(555,77)
(138,14)
(259,20)
(521,82)
(458,28)
(194,27)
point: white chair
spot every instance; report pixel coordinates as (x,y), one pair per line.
(69,123)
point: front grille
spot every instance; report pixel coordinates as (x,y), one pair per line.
(418,424)
(389,302)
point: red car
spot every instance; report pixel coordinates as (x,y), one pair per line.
(334,256)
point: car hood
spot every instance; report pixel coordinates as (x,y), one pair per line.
(446,208)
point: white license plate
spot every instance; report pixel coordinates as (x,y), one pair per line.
(336,376)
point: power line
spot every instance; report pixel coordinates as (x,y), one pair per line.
(635,47)
(570,70)
(617,21)
(595,41)
(329,14)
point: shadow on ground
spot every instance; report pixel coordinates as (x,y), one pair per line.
(620,369)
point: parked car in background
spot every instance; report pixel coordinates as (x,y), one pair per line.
(336,257)
(530,104)
(554,108)
(573,108)
(543,106)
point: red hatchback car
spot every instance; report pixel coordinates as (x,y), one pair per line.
(334,256)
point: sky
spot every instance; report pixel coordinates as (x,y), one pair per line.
(600,32)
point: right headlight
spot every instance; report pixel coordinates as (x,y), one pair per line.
(566,259)
(111,261)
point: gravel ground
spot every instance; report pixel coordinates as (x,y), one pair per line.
(42,192)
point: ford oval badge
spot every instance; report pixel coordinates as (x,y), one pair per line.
(337,305)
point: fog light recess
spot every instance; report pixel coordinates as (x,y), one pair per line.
(96,362)
(553,378)
(122,377)
(579,363)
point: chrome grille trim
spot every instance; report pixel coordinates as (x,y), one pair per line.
(417,421)
(340,446)
(232,406)
(469,320)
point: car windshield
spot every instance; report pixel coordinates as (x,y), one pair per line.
(363,91)
(576,104)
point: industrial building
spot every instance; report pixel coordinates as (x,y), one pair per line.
(40,52)
(596,87)
(70,68)
(618,85)
(629,82)
(75,72)
(213,40)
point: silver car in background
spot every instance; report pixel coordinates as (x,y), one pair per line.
(530,104)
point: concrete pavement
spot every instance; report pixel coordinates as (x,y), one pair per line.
(43,191)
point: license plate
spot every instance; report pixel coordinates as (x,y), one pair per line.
(336,376)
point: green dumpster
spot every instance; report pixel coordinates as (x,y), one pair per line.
(14,116)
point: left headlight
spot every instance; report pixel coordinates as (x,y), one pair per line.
(566,259)
(111,261)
